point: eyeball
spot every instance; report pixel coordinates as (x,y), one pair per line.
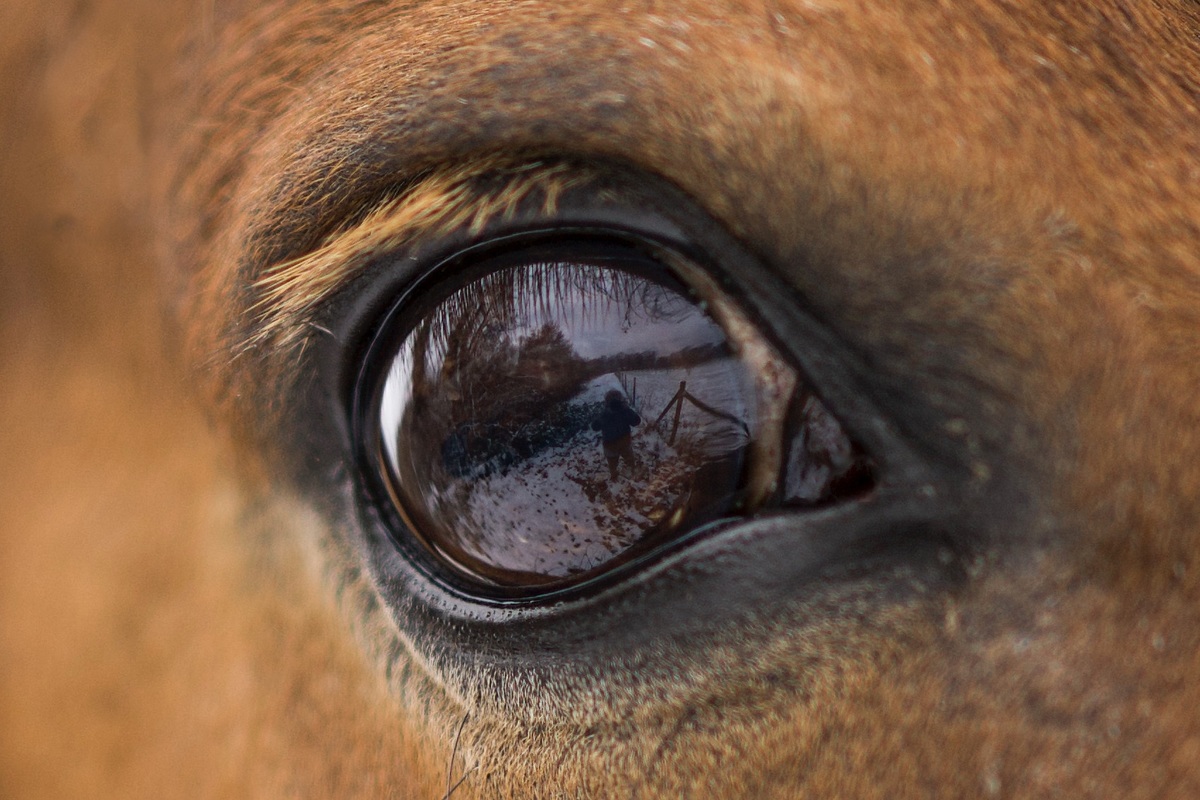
(548,412)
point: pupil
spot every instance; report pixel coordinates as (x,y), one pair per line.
(550,418)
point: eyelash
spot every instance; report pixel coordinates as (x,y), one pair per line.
(446,207)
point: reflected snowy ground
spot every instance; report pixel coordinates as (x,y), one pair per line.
(559,507)
(497,397)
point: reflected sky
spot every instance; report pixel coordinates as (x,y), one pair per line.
(603,312)
(604,323)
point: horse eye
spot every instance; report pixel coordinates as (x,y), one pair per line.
(552,411)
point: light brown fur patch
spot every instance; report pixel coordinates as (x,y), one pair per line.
(993,205)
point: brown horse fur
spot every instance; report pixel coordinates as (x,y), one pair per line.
(995,203)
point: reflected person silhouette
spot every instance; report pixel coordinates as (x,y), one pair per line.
(492,388)
(615,424)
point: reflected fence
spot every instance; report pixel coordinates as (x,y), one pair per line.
(677,400)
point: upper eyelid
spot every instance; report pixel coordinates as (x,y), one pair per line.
(466,198)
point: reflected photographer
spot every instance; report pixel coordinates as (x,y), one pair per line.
(615,424)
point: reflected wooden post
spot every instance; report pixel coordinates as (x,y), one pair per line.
(678,411)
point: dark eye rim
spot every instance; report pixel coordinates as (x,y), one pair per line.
(640,208)
(421,292)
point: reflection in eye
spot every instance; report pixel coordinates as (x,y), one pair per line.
(823,464)
(547,419)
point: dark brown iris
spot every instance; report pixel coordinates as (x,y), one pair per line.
(547,420)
